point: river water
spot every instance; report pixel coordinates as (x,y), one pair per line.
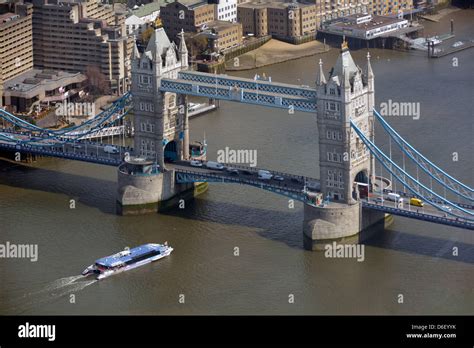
(411,258)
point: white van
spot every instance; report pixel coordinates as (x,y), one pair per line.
(214,165)
(264,174)
(394,197)
(110,149)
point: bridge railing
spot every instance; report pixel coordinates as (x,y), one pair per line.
(302,178)
(51,152)
(410,195)
(276,185)
(420,216)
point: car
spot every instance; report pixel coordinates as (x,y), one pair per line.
(416,202)
(110,149)
(378,200)
(77,146)
(278,178)
(196,163)
(214,165)
(296,180)
(246,172)
(313,186)
(447,208)
(233,171)
(394,197)
(264,174)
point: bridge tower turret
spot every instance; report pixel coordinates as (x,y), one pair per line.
(160,129)
(156,119)
(347,95)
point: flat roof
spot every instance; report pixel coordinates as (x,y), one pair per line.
(116,259)
(6,17)
(375,22)
(148,9)
(32,82)
(221,24)
(273,4)
(188,3)
(138,161)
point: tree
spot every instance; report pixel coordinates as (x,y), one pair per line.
(146,34)
(96,82)
(197,44)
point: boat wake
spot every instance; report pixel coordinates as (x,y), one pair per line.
(49,293)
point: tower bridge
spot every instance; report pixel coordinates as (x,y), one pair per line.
(342,102)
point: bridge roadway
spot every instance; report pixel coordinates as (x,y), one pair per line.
(292,186)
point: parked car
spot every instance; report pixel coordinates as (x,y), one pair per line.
(246,172)
(77,146)
(278,178)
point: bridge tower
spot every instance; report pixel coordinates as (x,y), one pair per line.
(159,119)
(347,94)
(161,128)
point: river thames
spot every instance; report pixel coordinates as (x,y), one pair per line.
(411,258)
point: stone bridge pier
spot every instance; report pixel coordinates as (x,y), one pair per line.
(340,223)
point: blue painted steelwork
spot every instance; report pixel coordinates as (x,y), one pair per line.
(98,122)
(428,167)
(250,84)
(37,150)
(420,216)
(187,176)
(382,158)
(242,90)
(408,195)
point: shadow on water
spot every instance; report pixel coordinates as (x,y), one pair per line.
(273,225)
(86,190)
(422,245)
(283,229)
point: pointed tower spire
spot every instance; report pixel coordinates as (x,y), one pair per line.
(135,52)
(346,77)
(183,50)
(369,72)
(321,78)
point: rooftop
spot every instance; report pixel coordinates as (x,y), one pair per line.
(7,17)
(32,82)
(189,3)
(219,25)
(273,4)
(148,9)
(376,22)
(122,257)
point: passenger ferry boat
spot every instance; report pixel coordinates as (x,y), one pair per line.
(128,259)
